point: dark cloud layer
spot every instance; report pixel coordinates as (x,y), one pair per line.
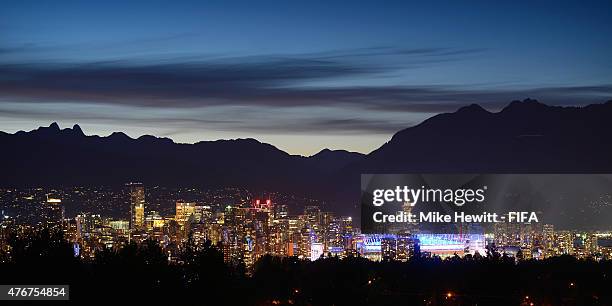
(187,84)
(260,81)
(274,81)
(332,126)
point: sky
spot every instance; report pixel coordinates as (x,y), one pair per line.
(301,75)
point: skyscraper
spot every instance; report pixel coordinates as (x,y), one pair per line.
(137,205)
(548,236)
(55,210)
(184,211)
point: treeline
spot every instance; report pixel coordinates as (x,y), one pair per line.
(143,273)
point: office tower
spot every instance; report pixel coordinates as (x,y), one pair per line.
(263,205)
(261,221)
(234,233)
(185,211)
(590,244)
(279,236)
(137,205)
(507,234)
(405,248)
(87,223)
(312,217)
(55,210)
(347,232)
(330,236)
(120,226)
(388,248)
(305,241)
(154,221)
(316,250)
(203,214)
(281,211)
(548,240)
(565,243)
(294,226)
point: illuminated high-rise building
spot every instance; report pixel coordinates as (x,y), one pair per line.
(405,248)
(279,236)
(88,223)
(331,235)
(313,216)
(261,222)
(312,219)
(54,214)
(120,226)
(548,240)
(388,248)
(137,205)
(565,243)
(185,211)
(316,251)
(234,234)
(347,232)
(590,244)
(507,234)
(281,211)
(203,214)
(154,221)
(305,241)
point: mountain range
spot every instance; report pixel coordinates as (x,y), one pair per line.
(524,137)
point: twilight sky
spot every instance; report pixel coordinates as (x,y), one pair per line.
(300,75)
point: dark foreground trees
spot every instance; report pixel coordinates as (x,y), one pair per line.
(143,273)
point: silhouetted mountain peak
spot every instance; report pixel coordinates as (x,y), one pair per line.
(322,152)
(147,137)
(461,121)
(47,131)
(119,136)
(327,152)
(76,129)
(236,141)
(473,109)
(527,105)
(526,136)
(153,139)
(332,160)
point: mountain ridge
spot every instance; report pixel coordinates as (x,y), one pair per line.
(523,137)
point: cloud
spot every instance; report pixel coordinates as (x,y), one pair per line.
(321,126)
(272,80)
(243,119)
(283,86)
(436,99)
(185,84)
(253,81)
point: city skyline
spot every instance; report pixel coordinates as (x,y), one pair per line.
(278,73)
(252,227)
(306,152)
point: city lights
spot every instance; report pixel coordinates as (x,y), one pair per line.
(245,228)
